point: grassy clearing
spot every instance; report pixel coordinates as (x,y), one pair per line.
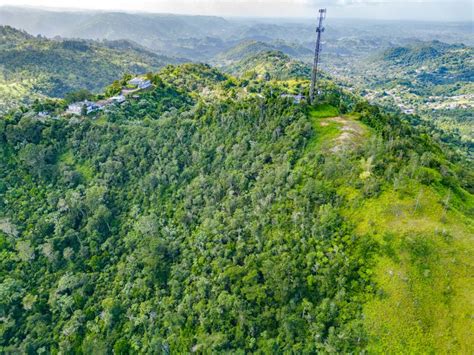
(324,133)
(67,158)
(425,266)
(424,272)
(101,120)
(334,132)
(323,111)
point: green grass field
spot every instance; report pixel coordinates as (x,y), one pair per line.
(424,300)
(424,303)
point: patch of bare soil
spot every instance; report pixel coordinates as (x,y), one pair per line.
(352,134)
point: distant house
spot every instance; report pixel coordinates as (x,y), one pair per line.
(91,107)
(140,83)
(41,116)
(135,81)
(118,99)
(145,84)
(296,98)
(76,108)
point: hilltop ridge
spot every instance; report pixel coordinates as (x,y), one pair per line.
(213,213)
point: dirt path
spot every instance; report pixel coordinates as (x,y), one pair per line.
(352,133)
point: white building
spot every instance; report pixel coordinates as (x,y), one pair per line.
(296,98)
(76,108)
(140,83)
(118,99)
(145,84)
(135,81)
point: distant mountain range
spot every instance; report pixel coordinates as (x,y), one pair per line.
(202,37)
(432,79)
(162,33)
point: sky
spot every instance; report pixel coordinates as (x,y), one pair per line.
(438,10)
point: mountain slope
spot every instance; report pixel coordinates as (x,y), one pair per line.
(112,25)
(246,49)
(228,221)
(198,37)
(34,67)
(272,64)
(157,32)
(437,63)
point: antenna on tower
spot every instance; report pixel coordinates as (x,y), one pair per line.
(317,52)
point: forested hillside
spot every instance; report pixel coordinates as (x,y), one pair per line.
(176,35)
(211,214)
(33,67)
(250,48)
(435,68)
(269,65)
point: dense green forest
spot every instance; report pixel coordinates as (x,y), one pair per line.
(34,67)
(250,48)
(269,65)
(211,214)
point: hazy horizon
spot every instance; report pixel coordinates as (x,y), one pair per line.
(403,10)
